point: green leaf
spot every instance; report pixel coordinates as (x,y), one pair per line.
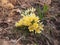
(35,44)
(39,12)
(45,8)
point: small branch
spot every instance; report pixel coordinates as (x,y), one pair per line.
(18,40)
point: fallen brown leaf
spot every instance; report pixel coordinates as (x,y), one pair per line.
(13,1)
(9,6)
(4,2)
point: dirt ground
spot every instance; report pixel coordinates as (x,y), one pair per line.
(10,14)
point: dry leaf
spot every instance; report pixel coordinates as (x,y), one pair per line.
(13,1)
(7,42)
(9,6)
(4,2)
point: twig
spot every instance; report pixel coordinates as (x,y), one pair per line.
(18,40)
